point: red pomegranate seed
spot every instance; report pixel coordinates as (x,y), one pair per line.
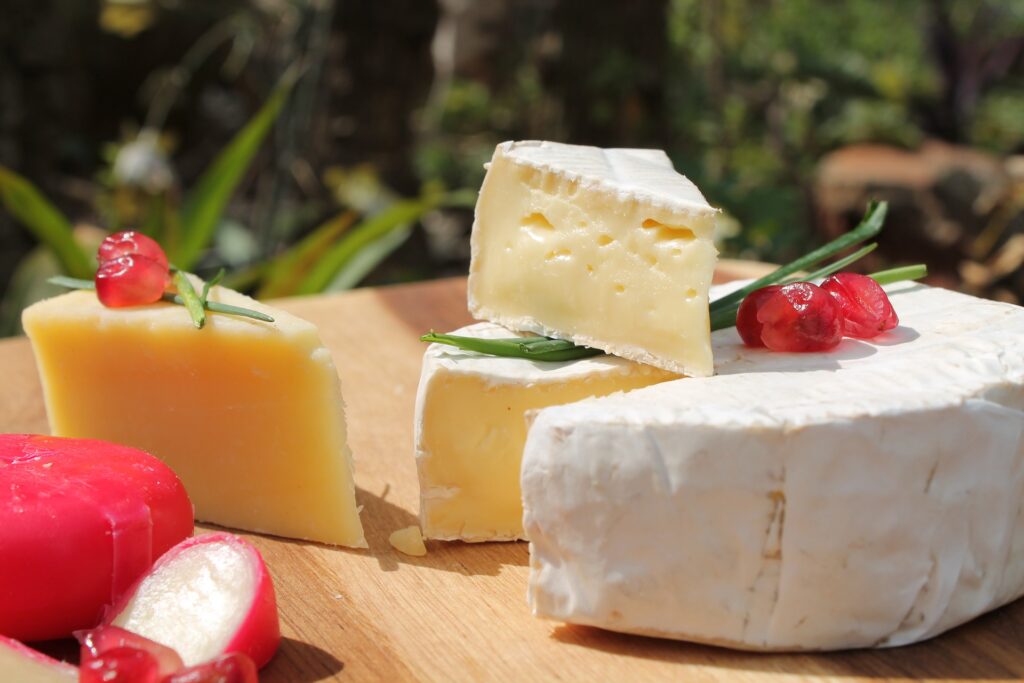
(130,281)
(102,639)
(131,243)
(800,317)
(120,665)
(747,323)
(866,308)
(235,667)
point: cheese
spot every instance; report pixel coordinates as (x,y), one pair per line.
(610,248)
(870,496)
(408,541)
(249,414)
(470,428)
(21,664)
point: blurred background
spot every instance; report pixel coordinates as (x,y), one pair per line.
(316,145)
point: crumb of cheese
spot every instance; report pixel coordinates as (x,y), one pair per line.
(409,541)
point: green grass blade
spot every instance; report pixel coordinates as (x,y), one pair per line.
(869,226)
(28,205)
(369,257)
(285,272)
(207,200)
(886,277)
(396,217)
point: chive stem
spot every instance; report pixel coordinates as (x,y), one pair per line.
(869,226)
(190,299)
(212,306)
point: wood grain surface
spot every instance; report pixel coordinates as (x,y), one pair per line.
(460,614)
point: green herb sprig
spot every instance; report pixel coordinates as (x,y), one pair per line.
(212,306)
(723,310)
(531,348)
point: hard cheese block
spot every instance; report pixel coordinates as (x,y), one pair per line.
(249,414)
(80,521)
(610,248)
(870,496)
(471,425)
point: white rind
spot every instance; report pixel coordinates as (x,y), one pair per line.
(630,173)
(867,497)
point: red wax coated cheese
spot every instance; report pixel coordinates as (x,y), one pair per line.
(80,521)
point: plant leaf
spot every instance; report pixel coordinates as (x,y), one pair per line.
(286,271)
(27,204)
(207,200)
(369,257)
(398,216)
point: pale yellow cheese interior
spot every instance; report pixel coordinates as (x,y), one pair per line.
(17,666)
(472,428)
(555,255)
(408,541)
(249,414)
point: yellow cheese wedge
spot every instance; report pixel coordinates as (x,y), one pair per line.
(471,427)
(249,414)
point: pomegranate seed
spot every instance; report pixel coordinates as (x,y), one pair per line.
(231,668)
(102,639)
(131,243)
(746,318)
(866,308)
(120,665)
(800,317)
(130,280)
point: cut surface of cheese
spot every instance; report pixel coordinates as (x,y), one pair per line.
(870,496)
(470,428)
(21,664)
(249,414)
(610,248)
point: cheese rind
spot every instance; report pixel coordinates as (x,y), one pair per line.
(248,414)
(864,497)
(470,427)
(610,248)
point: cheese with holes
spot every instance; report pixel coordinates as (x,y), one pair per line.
(249,414)
(610,248)
(869,496)
(470,428)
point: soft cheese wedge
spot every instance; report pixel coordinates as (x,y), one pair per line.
(471,425)
(610,248)
(869,496)
(249,414)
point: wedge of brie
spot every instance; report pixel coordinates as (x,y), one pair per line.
(870,496)
(610,248)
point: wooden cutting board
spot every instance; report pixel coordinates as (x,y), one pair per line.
(460,614)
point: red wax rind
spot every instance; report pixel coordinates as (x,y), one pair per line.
(259,634)
(80,521)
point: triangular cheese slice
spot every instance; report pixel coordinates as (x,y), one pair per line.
(249,414)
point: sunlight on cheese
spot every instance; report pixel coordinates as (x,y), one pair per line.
(609,248)
(408,541)
(471,426)
(248,414)
(869,496)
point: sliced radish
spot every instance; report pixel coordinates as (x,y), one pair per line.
(209,595)
(23,664)
(80,522)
